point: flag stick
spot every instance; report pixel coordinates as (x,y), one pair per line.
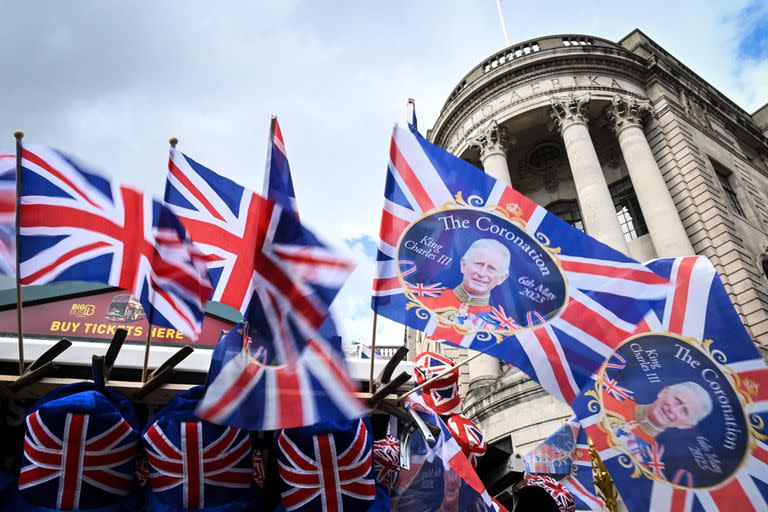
(440,375)
(19,313)
(373,352)
(146,352)
(503,23)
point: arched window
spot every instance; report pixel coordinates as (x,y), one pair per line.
(568,211)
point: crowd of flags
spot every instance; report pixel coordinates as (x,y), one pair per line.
(212,239)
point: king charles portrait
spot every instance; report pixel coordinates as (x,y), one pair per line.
(484,266)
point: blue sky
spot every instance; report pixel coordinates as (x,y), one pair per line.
(110,82)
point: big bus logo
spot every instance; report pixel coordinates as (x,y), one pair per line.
(82,310)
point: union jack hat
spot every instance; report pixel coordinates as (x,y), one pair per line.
(79,451)
(197,465)
(442,396)
(469,437)
(544,493)
(327,467)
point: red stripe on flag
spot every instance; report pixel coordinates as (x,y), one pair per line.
(289,410)
(233,393)
(677,503)
(391,228)
(731,496)
(409,177)
(187,183)
(680,300)
(27,155)
(630,274)
(558,369)
(390,283)
(64,257)
(511,197)
(593,324)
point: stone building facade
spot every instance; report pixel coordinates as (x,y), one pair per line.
(625,142)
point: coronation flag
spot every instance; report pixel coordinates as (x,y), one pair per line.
(278,184)
(7,214)
(79,226)
(689,430)
(472,262)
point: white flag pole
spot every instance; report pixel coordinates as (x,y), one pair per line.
(503,23)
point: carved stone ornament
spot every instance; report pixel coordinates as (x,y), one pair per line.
(570,109)
(492,140)
(625,111)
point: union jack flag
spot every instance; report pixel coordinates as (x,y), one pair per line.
(79,465)
(615,390)
(250,394)
(505,321)
(77,225)
(278,184)
(426,290)
(603,301)
(7,214)
(252,243)
(696,308)
(334,470)
(189,468)
(653,454)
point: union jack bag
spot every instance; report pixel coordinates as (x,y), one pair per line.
(474,263)
(79,451)
(196,465)
(79,226)
(687,428)
(327,468)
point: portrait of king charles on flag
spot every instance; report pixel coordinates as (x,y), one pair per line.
(480,271)
(673,410)
(484,266)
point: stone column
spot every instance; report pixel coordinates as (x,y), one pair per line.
(664,225)
(493,143)
(570,116)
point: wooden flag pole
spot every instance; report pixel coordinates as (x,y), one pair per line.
(19,306)
(146,351)
(373,352)
(172,141)
(440,375)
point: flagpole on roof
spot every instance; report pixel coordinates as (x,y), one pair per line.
(373,352)
(503,23)
(19,309)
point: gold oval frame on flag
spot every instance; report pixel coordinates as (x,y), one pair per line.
(715,358)
(538,243)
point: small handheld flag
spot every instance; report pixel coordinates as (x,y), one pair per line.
(278,184)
